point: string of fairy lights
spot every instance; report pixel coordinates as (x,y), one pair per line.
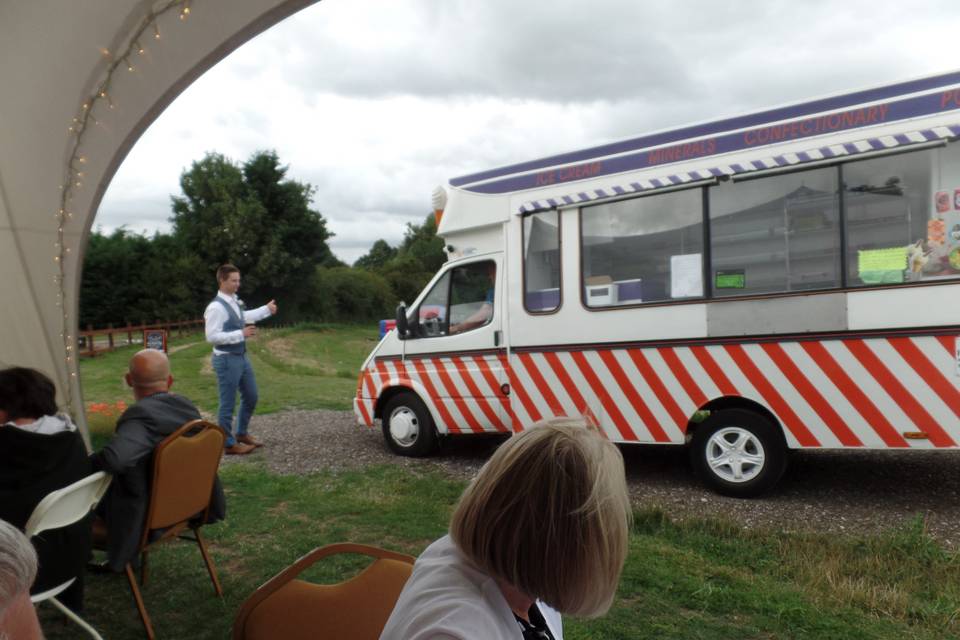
(93,109)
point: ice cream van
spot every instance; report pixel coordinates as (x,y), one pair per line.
(778,280)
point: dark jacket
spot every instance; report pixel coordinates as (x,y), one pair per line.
(31,466)
(128,458)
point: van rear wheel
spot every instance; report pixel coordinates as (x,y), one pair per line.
(408,427)
(739,453)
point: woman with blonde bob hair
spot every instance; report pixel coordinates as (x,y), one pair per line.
(542,530)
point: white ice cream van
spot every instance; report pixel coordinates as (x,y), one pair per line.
(780,280)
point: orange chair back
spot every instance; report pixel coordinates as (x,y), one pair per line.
(357,608)
(184,468)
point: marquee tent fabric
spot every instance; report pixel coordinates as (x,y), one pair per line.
(81,83)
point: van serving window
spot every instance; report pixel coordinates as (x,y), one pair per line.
(777,234)
(647,249)
(903,217)
(896,220)
(541,262)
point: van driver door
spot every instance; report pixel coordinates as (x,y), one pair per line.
(456,351)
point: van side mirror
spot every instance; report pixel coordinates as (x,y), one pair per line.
(403,329)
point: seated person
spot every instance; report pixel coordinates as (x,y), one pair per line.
(482,315)
(18,568)
(156,414)
(542,530)
(478,318)
(41,451)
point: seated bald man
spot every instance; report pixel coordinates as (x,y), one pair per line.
(156,414)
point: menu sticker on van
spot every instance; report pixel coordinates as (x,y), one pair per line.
(731,279)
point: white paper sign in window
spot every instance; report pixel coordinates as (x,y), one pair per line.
(686,276)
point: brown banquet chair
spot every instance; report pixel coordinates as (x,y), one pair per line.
(184,470)
(357,608)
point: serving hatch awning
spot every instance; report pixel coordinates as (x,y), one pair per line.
(820,154)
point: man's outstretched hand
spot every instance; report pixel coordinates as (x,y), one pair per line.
(272,305)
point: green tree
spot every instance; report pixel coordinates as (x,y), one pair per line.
(406,277)
(422,243)
(176,291)
(255,217)
(250,214)
(345,294)
(379,255)
(420,255)
(110,289)
(134,278)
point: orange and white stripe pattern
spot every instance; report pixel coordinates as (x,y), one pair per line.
(869,392)
(462,392)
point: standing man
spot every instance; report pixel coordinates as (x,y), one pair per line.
(228,325)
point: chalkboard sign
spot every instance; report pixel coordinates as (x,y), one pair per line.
(155,339)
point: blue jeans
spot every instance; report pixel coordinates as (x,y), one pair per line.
(234,373)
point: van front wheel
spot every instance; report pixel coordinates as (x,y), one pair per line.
(407,426)
(739,453)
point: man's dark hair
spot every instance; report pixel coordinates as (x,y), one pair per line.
(225,270)
(26,393)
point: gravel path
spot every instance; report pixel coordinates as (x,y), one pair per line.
(830,491)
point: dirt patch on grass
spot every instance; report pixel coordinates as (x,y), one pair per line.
(181,347)
(279,508)
(281,348)
(285,349)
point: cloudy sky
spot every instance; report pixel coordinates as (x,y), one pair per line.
(375,102)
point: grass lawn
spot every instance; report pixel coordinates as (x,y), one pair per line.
(706,580)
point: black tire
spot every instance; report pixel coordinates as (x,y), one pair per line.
(408,427)
(739,453)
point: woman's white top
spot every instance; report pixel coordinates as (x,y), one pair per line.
(447,598)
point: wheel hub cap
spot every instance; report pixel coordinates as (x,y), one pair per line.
(404,426)
(735,454)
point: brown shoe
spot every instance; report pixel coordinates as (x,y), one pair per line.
(238,449)
(250,440)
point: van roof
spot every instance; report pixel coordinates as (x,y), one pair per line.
(840,113)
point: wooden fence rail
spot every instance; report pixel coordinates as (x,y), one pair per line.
(93,342)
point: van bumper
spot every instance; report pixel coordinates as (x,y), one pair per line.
(363,410)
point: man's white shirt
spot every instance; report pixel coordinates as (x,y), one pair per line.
(216,316)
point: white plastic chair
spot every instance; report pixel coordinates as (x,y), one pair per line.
(62,508)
